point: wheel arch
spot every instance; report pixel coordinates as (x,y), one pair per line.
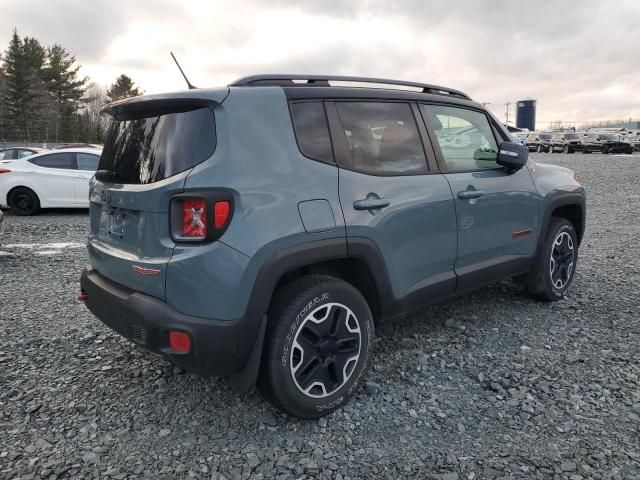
(28,187)
(571,206)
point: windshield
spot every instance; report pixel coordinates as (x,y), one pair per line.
(149,149)
(606,136)
(545,136)
(572,136)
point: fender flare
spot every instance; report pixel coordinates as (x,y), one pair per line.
(562,200)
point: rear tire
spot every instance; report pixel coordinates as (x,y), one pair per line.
(24,201)
(605,150)
(318,346)
(555,267)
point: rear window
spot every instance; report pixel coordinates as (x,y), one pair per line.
(149,149)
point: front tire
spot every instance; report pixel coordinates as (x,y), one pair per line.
(318,346)
(566,149)
(24,201)
(555,267)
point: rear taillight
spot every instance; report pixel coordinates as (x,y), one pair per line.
(194,218)
(5,170)
(200,216)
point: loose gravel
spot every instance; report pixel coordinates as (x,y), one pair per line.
(490,385)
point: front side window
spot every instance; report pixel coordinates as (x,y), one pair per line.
(465,137)
(55,160)
(87,161)
(312,132)
(383,138)
(7,154)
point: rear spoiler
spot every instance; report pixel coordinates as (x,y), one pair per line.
(154,105)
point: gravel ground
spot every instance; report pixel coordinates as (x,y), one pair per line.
(490,385)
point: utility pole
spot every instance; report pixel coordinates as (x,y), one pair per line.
(507,105)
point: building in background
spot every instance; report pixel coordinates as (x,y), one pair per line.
(526,114)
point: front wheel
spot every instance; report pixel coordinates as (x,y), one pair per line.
(318,346)
(566,149)
(605,150)
(24,201)
(555,267)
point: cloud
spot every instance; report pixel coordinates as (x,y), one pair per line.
(579,59)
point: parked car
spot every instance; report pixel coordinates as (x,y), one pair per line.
(64,146)
(46,180)
(606,143)
(634,139)
(266,252)
(566,142)
(1,225)
(538,142)
(10,154)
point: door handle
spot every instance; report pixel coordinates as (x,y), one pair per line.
(469,194)
(371,203)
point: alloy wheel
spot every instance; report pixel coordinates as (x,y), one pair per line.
(325,350)
(562,260)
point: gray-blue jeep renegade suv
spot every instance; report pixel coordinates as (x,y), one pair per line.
(258,231)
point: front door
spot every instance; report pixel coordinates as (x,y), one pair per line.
(497,211)
(391,200)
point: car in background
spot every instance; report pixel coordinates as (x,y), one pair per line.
(606,143)
(55,179)
(16,153)
(538,142)
(1,225)
(566,142)
(634,139)
(64,146)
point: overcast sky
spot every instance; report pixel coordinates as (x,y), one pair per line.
(579,59)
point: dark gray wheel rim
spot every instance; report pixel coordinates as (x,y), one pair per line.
(562,260)
(325,350)
(23,201)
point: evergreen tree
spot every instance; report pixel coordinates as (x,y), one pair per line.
(18,92)
(123,87)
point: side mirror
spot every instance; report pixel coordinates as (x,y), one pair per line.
(512,156)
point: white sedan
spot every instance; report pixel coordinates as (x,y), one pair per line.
(58,179)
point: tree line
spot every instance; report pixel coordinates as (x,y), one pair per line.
(43,99)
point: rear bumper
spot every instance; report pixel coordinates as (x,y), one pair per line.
(218,347)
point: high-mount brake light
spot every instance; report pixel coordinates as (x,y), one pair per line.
(4,170)
(194,218)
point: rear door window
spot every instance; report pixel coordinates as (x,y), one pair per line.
(148,149)
(312,132)
(55,160)
(383,138)
(87,161)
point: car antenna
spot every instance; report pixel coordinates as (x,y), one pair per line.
(191,87)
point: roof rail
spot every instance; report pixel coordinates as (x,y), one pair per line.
(285,80)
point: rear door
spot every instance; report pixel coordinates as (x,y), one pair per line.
(497,211)
(146,158)
(390,198)
(54,175)
(86,166)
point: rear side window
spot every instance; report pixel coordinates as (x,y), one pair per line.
(55,160)
(152,148)
(7,154)
(312,132)
(86,161)
(383,138)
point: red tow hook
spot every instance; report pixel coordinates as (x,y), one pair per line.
(81,296)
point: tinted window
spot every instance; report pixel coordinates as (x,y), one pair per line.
(24,153)
(86,161)
(312,132)
(465,137)
(383,138)
(149,149)
(55,160)
(7,154)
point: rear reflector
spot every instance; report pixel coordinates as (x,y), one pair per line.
(5,170)
(81,296)
(221,213)
(180,342)
(194,218)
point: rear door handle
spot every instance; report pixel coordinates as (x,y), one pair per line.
(371,203)
(469,194)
